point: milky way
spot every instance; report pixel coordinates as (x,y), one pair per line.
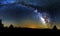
(12,13)
(42,17)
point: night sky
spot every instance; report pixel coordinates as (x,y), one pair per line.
(22,16)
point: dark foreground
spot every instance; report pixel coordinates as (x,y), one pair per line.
(27,30)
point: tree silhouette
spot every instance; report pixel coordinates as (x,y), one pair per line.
(54,28)
(11,26)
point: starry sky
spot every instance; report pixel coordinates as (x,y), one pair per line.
(21,15)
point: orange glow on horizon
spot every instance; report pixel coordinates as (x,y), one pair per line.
(28,24)
(32,26)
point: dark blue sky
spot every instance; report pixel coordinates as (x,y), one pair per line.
(17,12)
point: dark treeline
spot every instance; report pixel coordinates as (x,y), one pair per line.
(11,28)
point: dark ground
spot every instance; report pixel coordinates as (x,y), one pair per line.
(11,29)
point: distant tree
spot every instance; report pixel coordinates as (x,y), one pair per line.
(1,25)
(11,26)
(54,28)
(6,27)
